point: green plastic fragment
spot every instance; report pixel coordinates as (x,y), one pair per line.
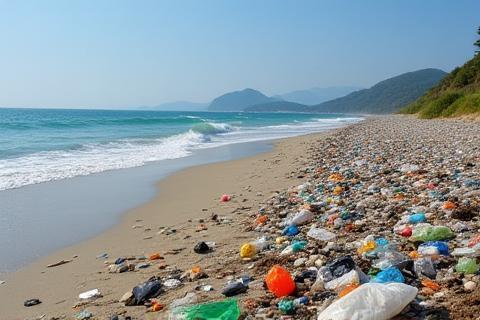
(432,233)
(286,306)
(221,310)
(467,265)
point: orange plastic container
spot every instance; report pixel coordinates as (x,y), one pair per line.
(279,281)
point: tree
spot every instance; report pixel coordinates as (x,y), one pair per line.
(477,43)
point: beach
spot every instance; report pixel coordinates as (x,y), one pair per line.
(188,203)
(181,198)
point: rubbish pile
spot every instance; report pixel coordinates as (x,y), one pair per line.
(376,230)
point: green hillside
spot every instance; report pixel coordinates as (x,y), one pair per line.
(456,95)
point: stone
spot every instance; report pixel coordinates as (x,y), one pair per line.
(470,286)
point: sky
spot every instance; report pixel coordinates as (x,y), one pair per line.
(116,54)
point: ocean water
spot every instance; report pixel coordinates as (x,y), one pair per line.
(68,175)
(41,145)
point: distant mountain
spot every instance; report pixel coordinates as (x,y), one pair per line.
(239,100)
(317,95)
(458,94)
(386,96)
(180,106)
(277,106)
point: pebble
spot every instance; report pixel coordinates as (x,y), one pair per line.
(470,286)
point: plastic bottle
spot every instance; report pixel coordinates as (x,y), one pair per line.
(250,249)
(300,218)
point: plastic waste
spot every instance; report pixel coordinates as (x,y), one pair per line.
(300,218)
(31,302)
(83,315)
(467,265)
(190,298)
(338,284)
(388,257)
(152,288)
(221,310)
(432,248)
(286,306)
(225,198)
(465,252)
(417,218)
(234,288)
(202,247)
(391,274)
(155,256)
(348,288)
(321,234)
(248,250)
(279,281)
(474,241)
(95,293)
(290,231)
(336,269)
(431,233)
(424,266)
(366,247)
(172,283)
(431,284)
(371,301)
(261,219)
(294,247)
(406,232)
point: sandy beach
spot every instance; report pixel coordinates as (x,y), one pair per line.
(183,199)
(360,182)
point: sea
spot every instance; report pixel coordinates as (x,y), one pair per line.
(61,169)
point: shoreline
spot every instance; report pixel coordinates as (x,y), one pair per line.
(58,287)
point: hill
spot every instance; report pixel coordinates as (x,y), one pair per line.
(317,95)
(239,100)
(456,95)
(277,106)
(386,96)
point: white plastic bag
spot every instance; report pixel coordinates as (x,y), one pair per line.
(300,218)
(338,284)
(321,234)
(371,301)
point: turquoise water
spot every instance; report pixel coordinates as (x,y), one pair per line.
(40,145)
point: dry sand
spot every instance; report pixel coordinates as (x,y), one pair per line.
(183,199)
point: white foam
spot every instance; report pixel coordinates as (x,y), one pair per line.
(93,158)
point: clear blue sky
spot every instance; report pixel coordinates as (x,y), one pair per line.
(130,53)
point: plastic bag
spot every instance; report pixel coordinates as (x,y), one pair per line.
(371,301)
(300,218)
(431,233)
(147,290)
(279,281)
(290,231)
(222,310)
(467,265)
(321,234)
(389,275)
(424,266)
(350,278)
(431,248)
(417,218)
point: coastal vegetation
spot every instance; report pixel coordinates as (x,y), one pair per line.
(458,94)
